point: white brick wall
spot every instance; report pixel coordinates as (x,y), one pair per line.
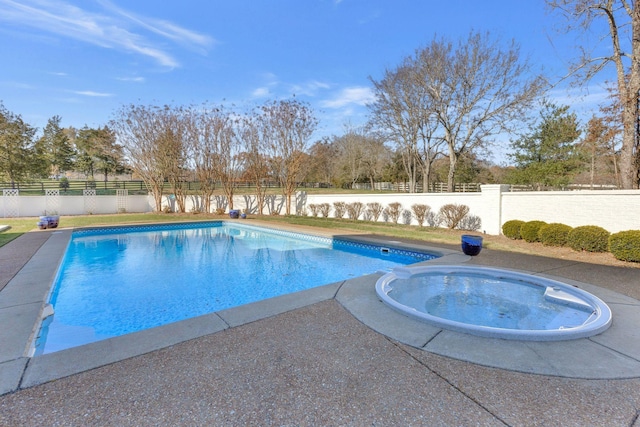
(614,210)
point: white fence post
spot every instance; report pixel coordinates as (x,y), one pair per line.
(492,207)
(11,202)
(52,201)
(121,200)
(89,197)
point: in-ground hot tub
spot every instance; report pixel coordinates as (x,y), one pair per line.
(494,303)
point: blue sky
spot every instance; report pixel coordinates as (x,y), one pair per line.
(83,59)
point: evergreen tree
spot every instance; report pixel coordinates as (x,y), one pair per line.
(98,151)
(59,151)
(547,155)
(17,153)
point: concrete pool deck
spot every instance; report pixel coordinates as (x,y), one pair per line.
(330,355)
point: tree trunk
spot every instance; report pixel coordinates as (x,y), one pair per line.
(593,167)
(453,160)
(628,90)
(426,177)
(628,151)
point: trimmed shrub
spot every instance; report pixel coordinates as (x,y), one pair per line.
(420,212)
(625,245)
(590,238)
(554,234)
(324,209)
(511,229)
(393,211)
(354,210)
(452,214)
(339,209)
(375,210)
(529,230)
(470,223)
(313,209)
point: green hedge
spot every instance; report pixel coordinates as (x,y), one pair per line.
(625,245)
(590,238)
(511,229)
(554,234)
(529,230)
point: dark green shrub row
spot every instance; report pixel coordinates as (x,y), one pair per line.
(554,234)
(511,229)
(590,238)
(530,231)
(625,245)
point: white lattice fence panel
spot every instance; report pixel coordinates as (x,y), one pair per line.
(121,200)
(52,201)
(89,198)
(11,203)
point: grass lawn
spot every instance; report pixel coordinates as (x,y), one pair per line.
(435,235)
(423,234)
(20,226)
(23,225)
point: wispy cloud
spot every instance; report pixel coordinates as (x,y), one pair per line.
(114,28)
(163,28)
(131,79)
(92,93)
(273,86)
(17,85)
(260,92)
(357,95)
(589,97)
(310,88)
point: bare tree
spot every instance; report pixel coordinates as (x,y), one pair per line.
(226,159)
(622,18)
(478,89)
(174,152)
(359,154)
(596,145)
(402,112)
(202,150)
(286,127)
(254,160)
(377,157)
(145,133)
(350,153)
(322,156)
(612,119)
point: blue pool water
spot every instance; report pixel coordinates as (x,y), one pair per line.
(117,281)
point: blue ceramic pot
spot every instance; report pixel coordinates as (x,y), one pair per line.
(234,213)
(53,221)
(471,245)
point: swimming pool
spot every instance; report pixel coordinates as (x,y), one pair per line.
(114,281)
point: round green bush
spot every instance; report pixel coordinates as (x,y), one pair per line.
(625,245)
(511,229)
(554,234)
(590,238)
(529,230)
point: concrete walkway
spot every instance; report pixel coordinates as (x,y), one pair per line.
(333,356)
